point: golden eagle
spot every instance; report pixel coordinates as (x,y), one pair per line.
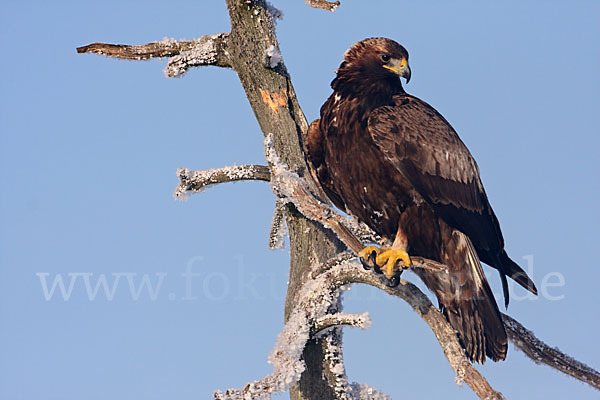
(395,163)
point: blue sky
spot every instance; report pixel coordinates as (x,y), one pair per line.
(89,148)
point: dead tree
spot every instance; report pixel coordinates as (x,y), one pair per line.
(307,357)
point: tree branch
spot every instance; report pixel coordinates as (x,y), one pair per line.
(208,50)
(366,392)
(203,51)
(352,272)
(197,181)
(317,298)
(324,5)
(313,314)
(318,308)
(540,353)
(362,321)
(291,188)
(278,230)
(164,48)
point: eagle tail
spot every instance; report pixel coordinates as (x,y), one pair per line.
(512,269)
(467,302)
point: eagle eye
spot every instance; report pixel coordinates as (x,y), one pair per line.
(384,57)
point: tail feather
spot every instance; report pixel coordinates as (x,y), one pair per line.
(467,302)
(512,269)
(505,292)
(517,273)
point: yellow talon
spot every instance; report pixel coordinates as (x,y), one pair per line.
(386,259)
(390,258)
(366,252)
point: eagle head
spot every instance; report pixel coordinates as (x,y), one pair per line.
(373,62)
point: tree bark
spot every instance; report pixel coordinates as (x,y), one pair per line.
(273,100)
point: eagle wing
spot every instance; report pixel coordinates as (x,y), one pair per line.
(314,150)
(422,146)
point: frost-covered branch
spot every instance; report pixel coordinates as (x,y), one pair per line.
(540,353)
(206,50)
(164,48)
(362,232)
(278,230)
(366,392)
(322,4)
(318,309)
(293,189)
(313,314)
(352,272)
(362,321)
(318,297)
(197,181)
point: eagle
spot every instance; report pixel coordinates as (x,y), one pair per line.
(392,161)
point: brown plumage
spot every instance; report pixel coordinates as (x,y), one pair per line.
(395,163)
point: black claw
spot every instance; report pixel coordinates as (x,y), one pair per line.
(369,262)
(365,264)
(393,281)
(373,258)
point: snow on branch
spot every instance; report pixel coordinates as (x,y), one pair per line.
(318,296)
(318,309)
(165,48)
(366,392)
(272,57)
(313,315)
(352,272)
(362,232)
(276,13)
(540,353)
(324,5)
(293,189)
(206,50)
(197,181)
(362,321)
(279,229)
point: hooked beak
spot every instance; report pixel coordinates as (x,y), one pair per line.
(405,73)
(400,67)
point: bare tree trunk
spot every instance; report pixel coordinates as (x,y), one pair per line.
(252,33)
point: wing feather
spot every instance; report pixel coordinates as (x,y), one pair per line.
(424,147)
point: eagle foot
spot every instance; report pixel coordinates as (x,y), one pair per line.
(384,261)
